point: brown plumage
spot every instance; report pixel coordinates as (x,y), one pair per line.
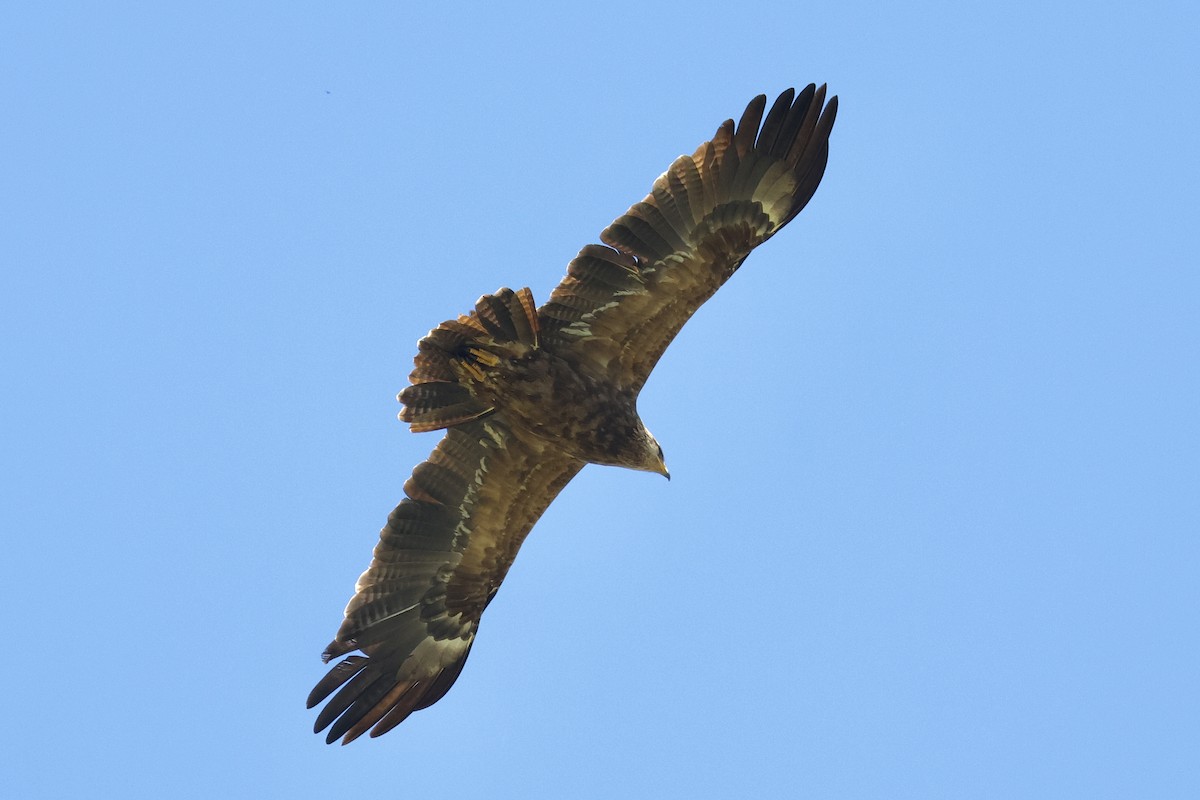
(528,396)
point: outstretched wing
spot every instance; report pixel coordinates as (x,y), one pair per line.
(439,561)
(621,305)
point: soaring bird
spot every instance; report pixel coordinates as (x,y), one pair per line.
(528,395)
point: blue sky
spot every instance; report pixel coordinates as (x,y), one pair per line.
(932,527)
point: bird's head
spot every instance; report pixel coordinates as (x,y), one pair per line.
(652,456)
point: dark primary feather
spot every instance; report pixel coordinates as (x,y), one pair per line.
(449,544)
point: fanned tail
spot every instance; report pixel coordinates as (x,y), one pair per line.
(449,380)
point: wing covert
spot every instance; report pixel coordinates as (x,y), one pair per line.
(439,561)
(622,302)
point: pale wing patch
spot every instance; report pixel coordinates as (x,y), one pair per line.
(433,655)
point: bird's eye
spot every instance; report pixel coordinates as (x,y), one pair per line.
(660,455)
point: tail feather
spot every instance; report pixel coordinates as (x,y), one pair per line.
(452,360)
(433,406)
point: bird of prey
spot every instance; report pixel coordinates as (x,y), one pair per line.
(528,395)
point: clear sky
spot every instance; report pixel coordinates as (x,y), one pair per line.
(932,527)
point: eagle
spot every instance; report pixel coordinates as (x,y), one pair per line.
(529,395)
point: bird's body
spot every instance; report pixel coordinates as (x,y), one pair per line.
(529,396)
(539,392)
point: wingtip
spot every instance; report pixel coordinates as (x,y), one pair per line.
(348,738)
(338,647)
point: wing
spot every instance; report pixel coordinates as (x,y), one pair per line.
(621,305)
(439,561)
